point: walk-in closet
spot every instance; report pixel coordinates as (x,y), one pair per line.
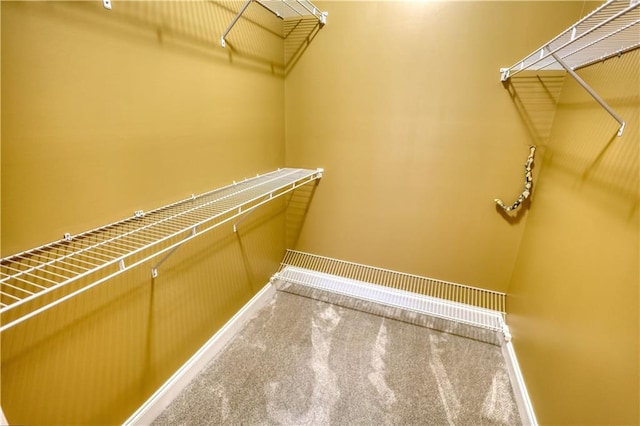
(294,212)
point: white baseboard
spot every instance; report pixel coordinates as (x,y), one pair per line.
(517,383)
(3,419)
(161,399)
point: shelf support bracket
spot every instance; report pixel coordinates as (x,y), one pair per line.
(106,4)
(154,269)
(248,212)
(223,42)
(586,87)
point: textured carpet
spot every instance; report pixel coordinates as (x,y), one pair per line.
(302,361)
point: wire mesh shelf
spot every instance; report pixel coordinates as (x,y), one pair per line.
(287,9)
(443,290)
(610,30)
(35,280)
(440,305)
(283,9)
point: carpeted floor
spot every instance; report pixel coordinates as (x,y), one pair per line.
(302,361)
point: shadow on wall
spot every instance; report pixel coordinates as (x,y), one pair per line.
(590,150)
(296,213)
(298,35)
(196,27)
(536,98)
(97,357)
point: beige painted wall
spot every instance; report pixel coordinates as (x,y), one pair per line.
(104,113)
(573,301)
(402,104)
(108,112)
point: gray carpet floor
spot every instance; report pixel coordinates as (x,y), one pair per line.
(302,361)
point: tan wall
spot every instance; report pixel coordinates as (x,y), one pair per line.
(573,305)
(402,104)
(108,112)
(104,113)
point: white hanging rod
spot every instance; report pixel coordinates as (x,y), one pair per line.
(283,9)
(103,253)
(610,30)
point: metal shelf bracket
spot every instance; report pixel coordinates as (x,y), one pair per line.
(250,210)
(593,94)
(223,41)
(607,32)
(154,269)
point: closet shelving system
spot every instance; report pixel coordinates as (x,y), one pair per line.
(36,280)
(610,30)
(458,305)
(283,9)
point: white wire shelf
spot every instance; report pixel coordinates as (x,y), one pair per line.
(460,312)
(283,9)
(287,9)
(610,30)
(443,290)
(36,280)
(455,308)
